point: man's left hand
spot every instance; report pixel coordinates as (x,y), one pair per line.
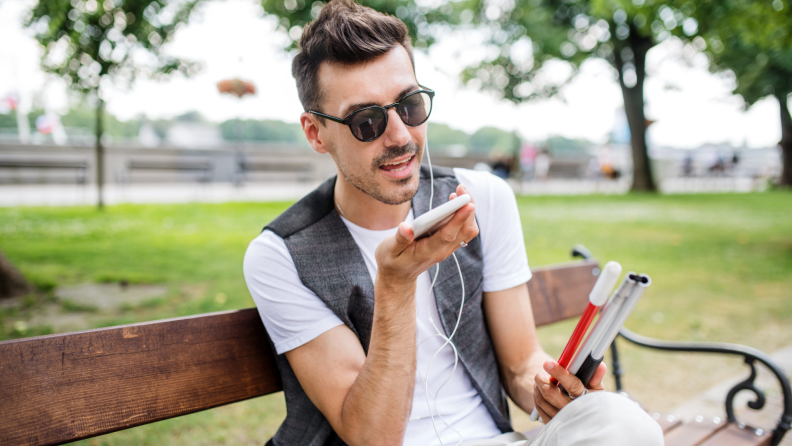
(550,399)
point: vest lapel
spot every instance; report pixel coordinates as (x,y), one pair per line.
(330,264)
(448,289)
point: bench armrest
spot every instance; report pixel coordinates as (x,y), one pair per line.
(751,355)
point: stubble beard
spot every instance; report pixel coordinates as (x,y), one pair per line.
(366,181)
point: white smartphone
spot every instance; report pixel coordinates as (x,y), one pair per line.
(428,223)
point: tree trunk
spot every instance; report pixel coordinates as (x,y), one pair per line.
(634,108)
(99,153)
(786,140)
(12,283)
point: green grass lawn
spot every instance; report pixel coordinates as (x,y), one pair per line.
(721,267)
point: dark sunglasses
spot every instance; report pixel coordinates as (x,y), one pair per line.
(369,123)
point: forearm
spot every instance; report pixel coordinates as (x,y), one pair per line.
(377,407)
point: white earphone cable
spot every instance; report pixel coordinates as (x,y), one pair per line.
(437,330)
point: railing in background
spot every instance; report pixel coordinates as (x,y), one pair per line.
(32,164)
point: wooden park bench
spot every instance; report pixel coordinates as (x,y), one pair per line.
(276,169)
(201,167)
(65,387)
(80,167)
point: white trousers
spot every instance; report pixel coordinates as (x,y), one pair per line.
(595,419)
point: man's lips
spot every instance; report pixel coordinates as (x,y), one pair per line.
(397,165)
(400,168)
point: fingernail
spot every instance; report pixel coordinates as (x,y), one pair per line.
(549,366)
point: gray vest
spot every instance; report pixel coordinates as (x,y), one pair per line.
(330,264)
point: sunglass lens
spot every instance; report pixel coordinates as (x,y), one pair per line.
(414,109)
(368,124)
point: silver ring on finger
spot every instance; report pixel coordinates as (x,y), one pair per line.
(585,391)
(463,244)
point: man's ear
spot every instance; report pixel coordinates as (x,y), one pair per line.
(310,125)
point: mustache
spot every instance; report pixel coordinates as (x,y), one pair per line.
(411,148)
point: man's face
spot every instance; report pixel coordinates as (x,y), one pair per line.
(387,168)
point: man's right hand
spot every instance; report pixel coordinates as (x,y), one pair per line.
(401,259)
(367,397)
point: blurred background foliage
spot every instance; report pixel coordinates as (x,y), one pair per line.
(91,44)
(524,37)
(753,40)
(483,141)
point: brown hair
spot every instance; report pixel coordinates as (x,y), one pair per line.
(346,33)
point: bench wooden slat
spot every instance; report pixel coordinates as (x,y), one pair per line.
(693,433)
(561,292)
(70,386)
(66,387)
(732,435)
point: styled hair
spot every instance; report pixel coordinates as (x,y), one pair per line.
(345,33)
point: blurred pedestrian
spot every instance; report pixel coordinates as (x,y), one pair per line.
(528,154)
(605,162)
(542,165)
(500,167)
(687,165)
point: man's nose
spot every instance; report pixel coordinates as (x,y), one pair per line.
(396,134)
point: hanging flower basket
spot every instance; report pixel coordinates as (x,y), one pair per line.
(236,87)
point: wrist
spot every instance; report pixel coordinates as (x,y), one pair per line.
(394,297)
(395,283)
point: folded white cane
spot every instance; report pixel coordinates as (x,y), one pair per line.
(599,294)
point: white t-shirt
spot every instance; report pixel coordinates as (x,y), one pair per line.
(293,315)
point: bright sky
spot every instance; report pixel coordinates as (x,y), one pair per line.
(233,39)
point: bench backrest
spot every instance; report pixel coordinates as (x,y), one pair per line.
(65,387)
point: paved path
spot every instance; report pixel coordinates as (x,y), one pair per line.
(71,194)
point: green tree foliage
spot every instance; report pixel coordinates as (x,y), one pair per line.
(754,41)
(92,44)
(293,15)
(443,135)
(9,120)
(80,118)
(560,145)
(488,140)
(262,130)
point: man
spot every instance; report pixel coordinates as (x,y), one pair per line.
(347,294)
